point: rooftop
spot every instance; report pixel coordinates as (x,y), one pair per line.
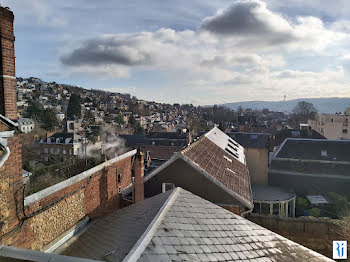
(315,149)
(251,140)
(213,153)
(268,193)
(180,226)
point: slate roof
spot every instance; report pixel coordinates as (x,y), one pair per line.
(114,235)
(251,140)
(281,135)
(268,193)
(63,137)
(186,228)
(310,149)
(210,155)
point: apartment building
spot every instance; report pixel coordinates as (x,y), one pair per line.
(332,126)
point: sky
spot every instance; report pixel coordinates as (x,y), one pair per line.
(188,51)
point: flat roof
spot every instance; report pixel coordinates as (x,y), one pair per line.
(317,199)
(273,194)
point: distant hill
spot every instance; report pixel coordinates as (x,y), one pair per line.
(323,105)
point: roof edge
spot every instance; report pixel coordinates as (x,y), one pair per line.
(74,179)
(150,231)
(217,182)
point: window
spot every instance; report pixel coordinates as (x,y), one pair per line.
(70,151)
(234,148)
(46,158)
(64,151)
(324,153)
(51,150)
(345,131)
(228,159)
(46,150)
(57,150)
(119,178)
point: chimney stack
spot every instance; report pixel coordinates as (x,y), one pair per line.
(8,99)
(188,136)
(139,176)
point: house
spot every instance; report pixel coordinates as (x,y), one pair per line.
(281,135)
(174,226)
(256,149)
(160,145)
(64,144)
(26,125)
(312,166)
(332,126)
(212,167)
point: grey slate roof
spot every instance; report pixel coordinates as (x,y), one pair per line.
(113,236)
(186,228)
(251,140)
(310,149)
(269,193)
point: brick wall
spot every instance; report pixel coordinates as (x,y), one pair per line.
(56,209)
(8,99)
(316,234)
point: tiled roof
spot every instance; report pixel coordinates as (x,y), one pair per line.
(113,236)
(193,229)
(176,226)
(221,165)
(197,230)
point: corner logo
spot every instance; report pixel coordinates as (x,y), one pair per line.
(340,250)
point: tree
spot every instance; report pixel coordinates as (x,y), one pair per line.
(49,120)
(132,121)
(302,112)
(138,130)
(119,119)
(34,109)
(74,107)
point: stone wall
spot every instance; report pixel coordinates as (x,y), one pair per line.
(46,215)
(314,233)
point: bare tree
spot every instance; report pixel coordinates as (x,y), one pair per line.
(302,112)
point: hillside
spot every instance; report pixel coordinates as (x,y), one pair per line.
(323,105)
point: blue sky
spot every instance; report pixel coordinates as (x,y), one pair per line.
(200,52)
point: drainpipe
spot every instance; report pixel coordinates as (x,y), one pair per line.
(4,147)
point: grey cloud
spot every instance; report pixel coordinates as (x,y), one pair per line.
(250,19)
(110,50)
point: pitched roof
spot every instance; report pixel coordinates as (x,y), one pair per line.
(114,235)
(315,149)
(251,140)
(212,153)
(183,227)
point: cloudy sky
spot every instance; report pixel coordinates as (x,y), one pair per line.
(200,52)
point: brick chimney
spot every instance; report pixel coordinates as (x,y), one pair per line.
(139,176)
(8,99)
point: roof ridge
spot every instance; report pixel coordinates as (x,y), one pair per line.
(150,231)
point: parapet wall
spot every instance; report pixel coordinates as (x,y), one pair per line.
(47,214)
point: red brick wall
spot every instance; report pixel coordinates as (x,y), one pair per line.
(238,210)
(43,221)
(11,188)
(8,99)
